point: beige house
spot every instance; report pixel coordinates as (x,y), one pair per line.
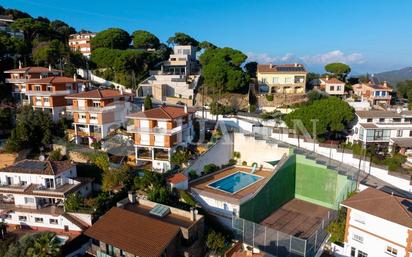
(376,94)
(282,78)
(332,86)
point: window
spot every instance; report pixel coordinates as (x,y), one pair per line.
(357,238)
(46,99)
(362,254)
(93,117)
(109,249)
(49,88)
(356,130)
(288,80)
(410,133)
(53,221)
(122,253)
(22,218)
(352,252)
(392,251)
(38,220)
(8,217)
(37,88)
(369,120)
(396,119)
(28,200)
(275,80)
(399,133)
(381,119)
(96,104)
(332,88)
(338,88)
(82,116)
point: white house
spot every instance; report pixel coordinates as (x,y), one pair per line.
(383,127)
(176,80)
(33,193)
(377,225)
(178,181)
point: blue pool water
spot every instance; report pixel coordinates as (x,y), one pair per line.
(235,182)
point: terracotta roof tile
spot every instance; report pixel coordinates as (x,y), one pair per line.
(332,81)
(54,79)
(163,112)
(380,204)
(39,167)
(98,94)
(134,233)
(177,178)
(378,114)
(32,70)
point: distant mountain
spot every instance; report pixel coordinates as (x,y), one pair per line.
(395,76)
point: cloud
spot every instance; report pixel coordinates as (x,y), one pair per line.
(334,56)
(266,58)
(319,59)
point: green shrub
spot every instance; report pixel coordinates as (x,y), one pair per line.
(209,168)
(269,97)
(55,155)
(187,198)
(193,174)
(395,162)
(244,163)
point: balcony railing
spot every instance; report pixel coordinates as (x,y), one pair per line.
(49,93)
(156,130)
(92,109)
(16,80)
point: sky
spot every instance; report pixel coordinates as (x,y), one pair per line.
(369,35)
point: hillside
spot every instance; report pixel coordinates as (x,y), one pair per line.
(395,76)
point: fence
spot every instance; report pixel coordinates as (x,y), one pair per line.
(281,244)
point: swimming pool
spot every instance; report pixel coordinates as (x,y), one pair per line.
(235,182)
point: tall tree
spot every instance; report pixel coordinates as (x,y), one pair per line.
(49,52)
(148,103)
(338,69)
(181,38)
(251,69)
(46,245)
(143,39)
(113,38)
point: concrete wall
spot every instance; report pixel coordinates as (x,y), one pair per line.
(218,154)
(252,150)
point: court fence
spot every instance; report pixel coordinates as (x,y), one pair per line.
(277,243)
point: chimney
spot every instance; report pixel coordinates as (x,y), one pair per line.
(74,77)
(41,76)
(296,64)
(143,109)
(20,66)
(185,108)
(131,196)
(385,83)
(49,67)
(121,91)
(327,77)
(270,65)
(193,211)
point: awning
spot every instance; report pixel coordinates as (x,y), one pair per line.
(273,163)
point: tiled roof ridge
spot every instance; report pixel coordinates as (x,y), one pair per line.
(165,112)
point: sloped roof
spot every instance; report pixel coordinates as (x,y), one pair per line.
(163,113)
(97,94)
(134,233)
(332,81)
(281,68)
(378,114)
(177,178)
(380,204)
(39,167)
(54,79)
(31,69)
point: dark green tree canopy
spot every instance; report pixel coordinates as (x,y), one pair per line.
(114,38)
(143,39)
(221,69)
(251,69)
(338,69)
(182,39)
(49,52)
(332,115)
(206,45)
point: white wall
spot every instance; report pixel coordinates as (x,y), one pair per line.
(252,150)
(385,231)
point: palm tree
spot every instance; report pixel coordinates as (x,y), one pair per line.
(45,245)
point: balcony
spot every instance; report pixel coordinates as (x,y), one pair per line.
(49,93)
(10,187)
(156,130)
(110,108)
(16,81)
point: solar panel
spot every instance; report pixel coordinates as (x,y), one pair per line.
(160,210)
(31,165)
(280,68)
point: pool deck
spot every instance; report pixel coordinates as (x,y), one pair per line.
(201,184)
(297,217)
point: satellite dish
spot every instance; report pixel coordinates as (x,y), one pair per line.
(41,158)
